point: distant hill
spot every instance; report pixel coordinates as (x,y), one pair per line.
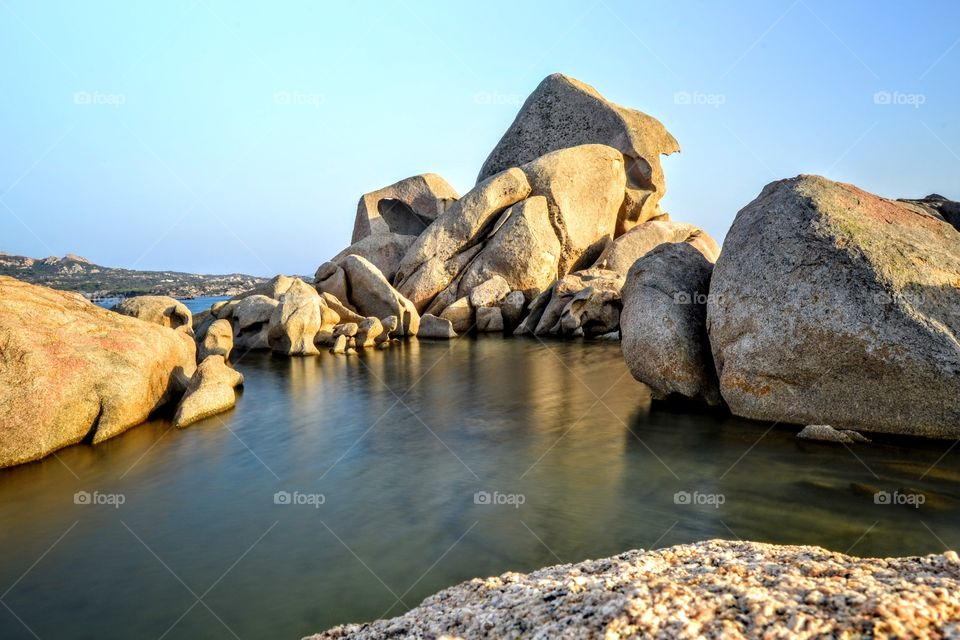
(73,273)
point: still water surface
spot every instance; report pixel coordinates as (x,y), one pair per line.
(398,443)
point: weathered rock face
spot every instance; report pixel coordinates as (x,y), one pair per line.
(583,303)
(71,371)
(563,112)
(620,254)
(833,305)
(713,589)
(211,391)
(161,310)
(371,294)
(383,250)
(936,204)
(663,325)
(479,237)
(405,207)
(251,322)
(296,320)
(218,340)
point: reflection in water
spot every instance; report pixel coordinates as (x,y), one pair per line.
(398,443)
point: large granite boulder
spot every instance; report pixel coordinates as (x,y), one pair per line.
(218,340)
(663,325)
(582,188)
(620,254)
(405,207)
(251,322)
(272,288)
(162,310)
(71,371)
(372,295)
(831,305)
(564,112)
(297,319)
(383,250)
(210,391)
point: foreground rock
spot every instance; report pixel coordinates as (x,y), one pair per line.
(583,303)
(826,433)
(833,305)
(714,589)
(161,310)
(71,371)
(663,326)
(297,319)
(563,112)
(211,391)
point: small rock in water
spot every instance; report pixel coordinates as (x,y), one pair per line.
(826,433)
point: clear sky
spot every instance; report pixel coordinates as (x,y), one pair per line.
(212,137)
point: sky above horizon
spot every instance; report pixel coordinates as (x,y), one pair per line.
(206,137)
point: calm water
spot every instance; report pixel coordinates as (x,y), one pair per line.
(398,443)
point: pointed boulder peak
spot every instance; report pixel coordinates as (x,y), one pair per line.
(564,112)
(406,207)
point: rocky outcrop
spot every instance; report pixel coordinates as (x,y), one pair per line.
(273,288)
(296,320)
(583,303)
(483,234)
(211,391)
(620,254)
(372,295)
(713,589)
(833,305)
(563,112)
(161,310)
(217,341)
(663,326)
(73,372)
(404,208)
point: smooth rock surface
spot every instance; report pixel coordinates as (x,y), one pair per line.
(663,325)
(161,310)
(218,340)
(564,112)
(620,254)
(296,321)
(832,305)
(372,295)
(432,327)
(383,250)
(71,371)
(211,391)
(712,589)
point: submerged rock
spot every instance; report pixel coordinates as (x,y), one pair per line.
(663,326)
(713,589)
(826,433)
(211,391)
(161,310)
(830,304)
(71,371)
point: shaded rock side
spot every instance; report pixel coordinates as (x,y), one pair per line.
(406,207)
(663,325)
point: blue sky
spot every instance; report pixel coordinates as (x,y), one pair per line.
(204,136)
